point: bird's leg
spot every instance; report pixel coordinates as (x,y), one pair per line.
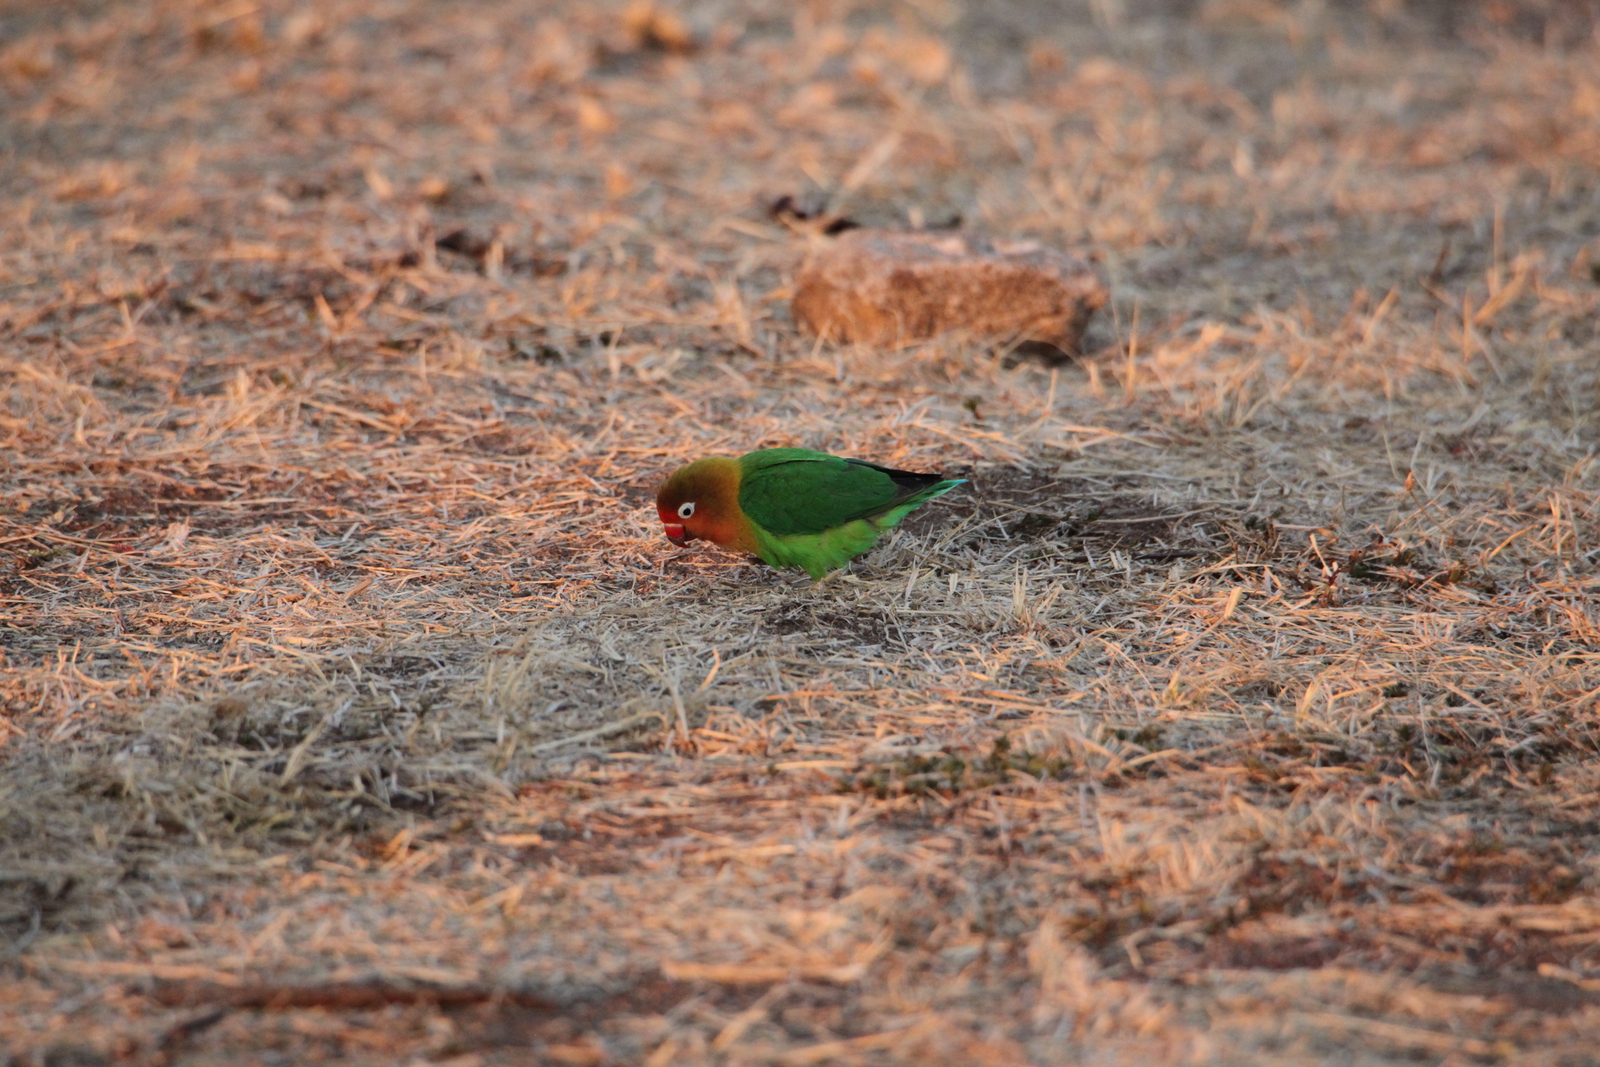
(826,578)
(841,574)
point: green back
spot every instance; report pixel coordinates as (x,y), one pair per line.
(791,491)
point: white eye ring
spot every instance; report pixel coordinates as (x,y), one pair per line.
(686,509)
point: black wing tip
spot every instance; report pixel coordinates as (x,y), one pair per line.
(912,480)
(916,482)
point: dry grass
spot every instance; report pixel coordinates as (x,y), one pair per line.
(1244,711)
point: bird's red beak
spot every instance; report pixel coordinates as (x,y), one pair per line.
(677,534)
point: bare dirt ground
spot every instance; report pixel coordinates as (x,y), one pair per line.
(1243,710)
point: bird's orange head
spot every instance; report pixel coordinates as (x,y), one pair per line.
(702,500)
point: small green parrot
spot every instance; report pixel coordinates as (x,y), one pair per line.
(790,506)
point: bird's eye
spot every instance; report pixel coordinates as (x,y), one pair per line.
(686,509)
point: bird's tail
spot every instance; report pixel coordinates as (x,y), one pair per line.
(891,518)
(936,489)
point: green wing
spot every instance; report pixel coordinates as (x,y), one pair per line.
(791,491)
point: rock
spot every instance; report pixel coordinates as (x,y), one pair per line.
(68,1055)
(878,288)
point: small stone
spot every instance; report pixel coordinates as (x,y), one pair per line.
(433,189)
(229,708)
(878,288)
(228,717)
(652,26)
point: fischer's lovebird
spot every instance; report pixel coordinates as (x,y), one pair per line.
(790,506)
